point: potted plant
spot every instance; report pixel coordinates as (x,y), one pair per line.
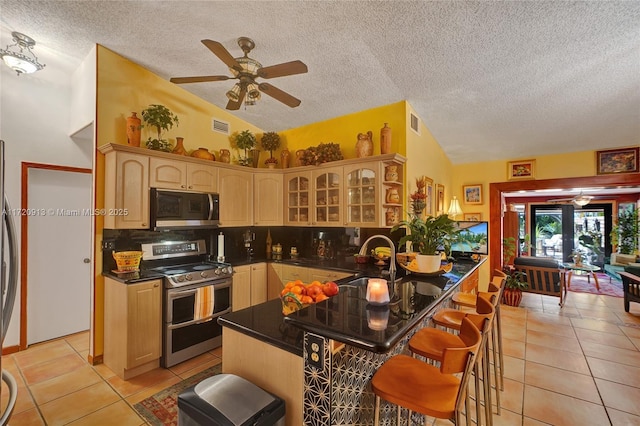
(624,234)
(428,237)
(515,282)
(245,140)
(160,117)
(270,141)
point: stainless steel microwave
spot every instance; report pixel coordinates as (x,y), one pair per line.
(186,210)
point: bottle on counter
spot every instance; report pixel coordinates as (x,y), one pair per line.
(269,241)
(321,249)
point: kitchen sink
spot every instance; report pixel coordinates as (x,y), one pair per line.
(360,281)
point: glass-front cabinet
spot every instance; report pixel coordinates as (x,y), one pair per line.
(297,198)
(327,186)
(362,194)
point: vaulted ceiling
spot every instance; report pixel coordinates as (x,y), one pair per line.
(491,80)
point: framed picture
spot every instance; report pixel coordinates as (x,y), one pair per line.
(439,199)
(477,217)
(524,169)
(472,194)
(623,160)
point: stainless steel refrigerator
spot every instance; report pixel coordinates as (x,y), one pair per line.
(8,285)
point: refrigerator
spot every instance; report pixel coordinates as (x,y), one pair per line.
(8,284)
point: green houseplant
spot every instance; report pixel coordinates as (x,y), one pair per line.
(246,141)
(162,119)
(427,237)
(624,234)
(515,282)
(270,141)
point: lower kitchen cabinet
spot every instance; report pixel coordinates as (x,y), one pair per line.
(249,286)
(274,280)
(324,275)
(132,327)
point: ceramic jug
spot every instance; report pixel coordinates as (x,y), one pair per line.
(225,156)
(364,146)
(393,196)
(391,174)
(133,130)
(179,149)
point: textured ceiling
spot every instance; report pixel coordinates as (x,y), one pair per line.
(491,80)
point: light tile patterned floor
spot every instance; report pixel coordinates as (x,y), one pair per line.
(579,365)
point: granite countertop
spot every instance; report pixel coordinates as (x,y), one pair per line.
(346,317)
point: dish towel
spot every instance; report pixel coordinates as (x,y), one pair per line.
(203,305)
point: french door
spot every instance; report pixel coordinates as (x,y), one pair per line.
(557,230)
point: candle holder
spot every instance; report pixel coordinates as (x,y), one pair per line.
(377,291)
(377,317)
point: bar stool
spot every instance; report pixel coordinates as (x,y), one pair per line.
(418,386)
(431,343)
(452,318)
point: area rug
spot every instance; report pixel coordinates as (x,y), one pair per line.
(579,284)
(161,409)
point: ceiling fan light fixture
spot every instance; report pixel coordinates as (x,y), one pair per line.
(23,61)
(582,200)
(253,93)
(234,93)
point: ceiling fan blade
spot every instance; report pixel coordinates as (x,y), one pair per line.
(235,105)
(204,78)
(221,52)
(280,70)
(278,94)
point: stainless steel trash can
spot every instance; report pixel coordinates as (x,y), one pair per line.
(229,400)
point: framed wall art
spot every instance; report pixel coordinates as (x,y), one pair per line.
(472,194)
(477,217)
(439,199)
(623,160)
(523,169)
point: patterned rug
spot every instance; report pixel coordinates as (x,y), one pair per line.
(161,409)
(580,284)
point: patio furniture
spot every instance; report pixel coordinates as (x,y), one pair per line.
(544,276)
(631,288)
(589,269)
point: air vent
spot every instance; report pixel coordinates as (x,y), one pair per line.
(220,126)
(415,123)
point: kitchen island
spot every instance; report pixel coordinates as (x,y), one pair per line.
(320,359)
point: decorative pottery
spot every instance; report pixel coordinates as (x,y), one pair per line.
(271,164)
(364,146)
(299,154)
(392,216)
(203,154)
(225,156)
(284,158)
(391,174)
(385,139)
(393,196)
(133,130)
(179,149)
(512,296)
(255,158)
(428,263)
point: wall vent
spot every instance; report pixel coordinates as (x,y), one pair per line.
(415,123)
(220,126)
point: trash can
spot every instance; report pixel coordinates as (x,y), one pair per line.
(229,400)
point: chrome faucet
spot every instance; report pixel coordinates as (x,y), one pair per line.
(392,260)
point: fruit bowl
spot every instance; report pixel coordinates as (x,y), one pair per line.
(296,295)
(362,258)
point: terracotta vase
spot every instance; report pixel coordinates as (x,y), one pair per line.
(364,146)
(385,139)
(179,149)
(512,297)
(203,154)
(299,154)
(255,158)
(225,156)
(133,130)
(284,158)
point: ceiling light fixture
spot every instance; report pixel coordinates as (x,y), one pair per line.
(454,208)
(23,61)
(582,200)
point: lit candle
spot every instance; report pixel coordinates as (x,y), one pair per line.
(377,291)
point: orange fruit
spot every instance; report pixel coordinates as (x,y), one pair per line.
(320,297)
(306,300)
(296,289)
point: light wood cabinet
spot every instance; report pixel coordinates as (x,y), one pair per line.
(126,195)
(236,197)
(297,199)
(249,286)
(362,194)
(175,174)
(327,197)
(293,272)
(268,199)
(274,280)
(132,327)
(324,275)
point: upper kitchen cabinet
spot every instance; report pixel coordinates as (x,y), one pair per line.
(172,174)
(362,195)
(268,199)
(126,195)
(297,198)
(236,197)
(327,195)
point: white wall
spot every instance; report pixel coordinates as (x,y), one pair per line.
(34,123)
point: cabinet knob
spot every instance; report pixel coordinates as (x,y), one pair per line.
(156,285)
(190,186)
(182,186)
(144,224)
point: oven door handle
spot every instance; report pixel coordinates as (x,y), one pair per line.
(198,321)
(210,206)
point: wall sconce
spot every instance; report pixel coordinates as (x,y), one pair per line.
(23,61)
(454,208)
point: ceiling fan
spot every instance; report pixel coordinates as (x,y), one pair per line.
(246,70)
(580,200)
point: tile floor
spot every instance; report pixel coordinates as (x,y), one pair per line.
(579,365)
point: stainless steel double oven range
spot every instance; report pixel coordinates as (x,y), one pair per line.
(196,292)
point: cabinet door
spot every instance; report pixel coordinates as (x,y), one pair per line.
(268,199)
(201,177)
(236,197)
(327,194)
(127,190)
(144,322)
(362,197)
(293,273)
(241,289)
(274,280)
(169,174)
(258,283)
(324,275)
(297,199)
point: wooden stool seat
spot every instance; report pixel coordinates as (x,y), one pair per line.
(449,318)
(431,343)
(465,299)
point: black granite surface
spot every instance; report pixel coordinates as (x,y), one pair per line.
(346,316)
